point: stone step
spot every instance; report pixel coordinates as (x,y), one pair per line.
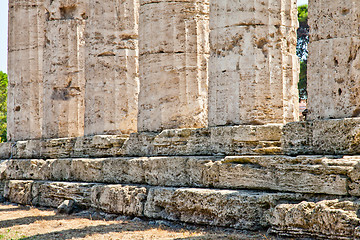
(302,174)
(227,208)
(285,214)
(233,140)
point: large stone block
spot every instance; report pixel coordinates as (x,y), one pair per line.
(305,174)
(329,219)
(18,191)
(48,194)
(111,72)
(25,61)
(354,180)
(125,200)
(173,38)
(207,141)
(238,209)
(253,68)
(52,194)
(333,19)
(64,79)
(334,136)
(334,78)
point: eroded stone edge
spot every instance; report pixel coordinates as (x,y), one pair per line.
(303,174)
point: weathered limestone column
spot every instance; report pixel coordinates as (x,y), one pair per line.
(111,68)
(25,56)
(253,67)
(64,63)
(334,59)
(174,50)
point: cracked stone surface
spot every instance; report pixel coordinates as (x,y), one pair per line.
(253,67)
(174,50)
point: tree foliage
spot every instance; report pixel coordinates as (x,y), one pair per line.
(3,105)
(302,48)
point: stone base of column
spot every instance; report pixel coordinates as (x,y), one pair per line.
(246,139)
(334,136)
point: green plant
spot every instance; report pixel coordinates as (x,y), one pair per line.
(302,48)
(3,105)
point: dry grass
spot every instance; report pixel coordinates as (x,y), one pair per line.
(19,222)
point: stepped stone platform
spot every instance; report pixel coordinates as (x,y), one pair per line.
(247,139)
(246,177)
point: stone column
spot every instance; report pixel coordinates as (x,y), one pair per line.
(253,67)
(25,56)
(64,63)
(174,49)
(111,67)
(334,59)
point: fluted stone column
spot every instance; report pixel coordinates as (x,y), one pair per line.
(112,83)
(174,49)
(25,58)
(64,63)
(334,59)
(253,67)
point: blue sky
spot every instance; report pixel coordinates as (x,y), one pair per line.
(3,32)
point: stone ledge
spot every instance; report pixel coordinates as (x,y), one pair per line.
(226,208)
(234,140)
(287,214)
(334,136)
(302,174)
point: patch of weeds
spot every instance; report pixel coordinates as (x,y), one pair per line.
(11,235)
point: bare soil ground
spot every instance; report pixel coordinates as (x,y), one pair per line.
(24,222)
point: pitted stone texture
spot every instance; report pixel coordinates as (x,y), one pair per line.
(297,138)
(66,9)
(331,219)
(2,186)
(52,194)
(125,200)
(242,13)
(112,83)
(253,67)
(303,174)
(6,150)
(64,79)
(174,48)
(48,194)
(19,191)
(334,59)
(333,19)
(334,136)
(207,141)
(25,61)
(238,209)
(34,169)
(176,142)
(174,26)
(334,78)
(354,182)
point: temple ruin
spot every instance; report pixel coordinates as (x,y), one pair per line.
(186,111)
